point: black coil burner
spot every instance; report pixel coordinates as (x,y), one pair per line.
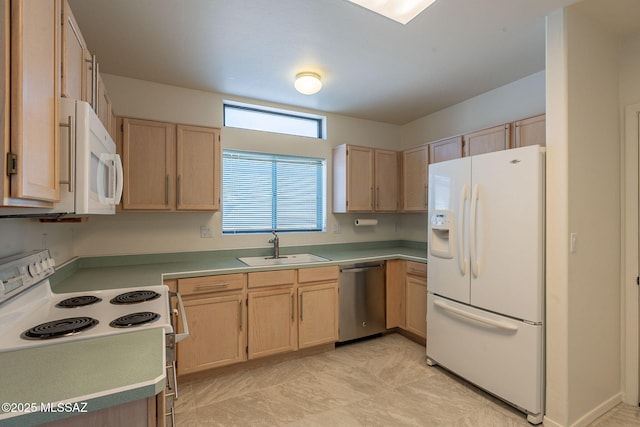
(135,297)
(79,301)
(59,328)
(134,319)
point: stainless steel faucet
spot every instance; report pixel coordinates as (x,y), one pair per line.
(276,244)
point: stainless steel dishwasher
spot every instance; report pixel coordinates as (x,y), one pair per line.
(362,300)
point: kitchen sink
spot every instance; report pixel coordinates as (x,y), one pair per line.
(261,261)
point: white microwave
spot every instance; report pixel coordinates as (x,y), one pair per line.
(90,170)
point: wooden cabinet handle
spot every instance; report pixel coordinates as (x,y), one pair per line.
(166,189)
(300,306)
(178,190)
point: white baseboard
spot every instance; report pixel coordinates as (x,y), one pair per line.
(590,416)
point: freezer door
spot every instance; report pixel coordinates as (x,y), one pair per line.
(498,354)
(507,232)
(449,196)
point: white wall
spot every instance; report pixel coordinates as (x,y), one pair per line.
(583,185)
(129,233)
(517,100)
(21,235)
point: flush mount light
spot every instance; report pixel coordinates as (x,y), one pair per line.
(308,83)
(401,11)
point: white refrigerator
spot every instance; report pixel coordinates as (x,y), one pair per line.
(485,301)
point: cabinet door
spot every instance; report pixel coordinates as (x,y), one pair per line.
(198,168)
(359,178)
(416,305)
(446,149)
(5,74)
(35,80)
(415,178)
(386,177)
(395,291)
(317,314)
(530,131)
(148,157)
(271,322)
(73,55)
(104,109)
(216,333)
(488,140)
(88,77)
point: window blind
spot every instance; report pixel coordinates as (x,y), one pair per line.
(264,192)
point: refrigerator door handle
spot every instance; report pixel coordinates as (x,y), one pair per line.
(462,260)
(475,196)
(471,316)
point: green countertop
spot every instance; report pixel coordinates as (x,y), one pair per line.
(100,372)
(130,366)
(87,274)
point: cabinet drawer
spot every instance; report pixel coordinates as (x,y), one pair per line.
(271,278)
(417,268)
(207,284)
(318,274)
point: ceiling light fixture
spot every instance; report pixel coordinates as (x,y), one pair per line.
(401,11)
(308,83)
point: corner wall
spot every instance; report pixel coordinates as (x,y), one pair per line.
(583,196)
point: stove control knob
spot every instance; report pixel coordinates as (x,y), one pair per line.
(32,270)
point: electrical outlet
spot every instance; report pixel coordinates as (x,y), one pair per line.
(336,228)
(206,232)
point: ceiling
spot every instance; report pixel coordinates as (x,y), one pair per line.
(372,67)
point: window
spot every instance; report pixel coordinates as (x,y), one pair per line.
(255,117)
(265,192)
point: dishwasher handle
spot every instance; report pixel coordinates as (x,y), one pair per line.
(361,269)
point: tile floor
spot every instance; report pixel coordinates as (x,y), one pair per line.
(378,382)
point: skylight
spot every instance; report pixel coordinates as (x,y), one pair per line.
(401,11)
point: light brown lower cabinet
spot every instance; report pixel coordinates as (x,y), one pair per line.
(407,296)
(237,317)
(216,316)
(317,306)
(272,322)
(396,272)
(416,303)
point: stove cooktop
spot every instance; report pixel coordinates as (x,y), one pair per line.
(39,317)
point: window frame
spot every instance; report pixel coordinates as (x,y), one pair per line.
(320,121)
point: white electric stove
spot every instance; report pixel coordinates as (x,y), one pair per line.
(32,315)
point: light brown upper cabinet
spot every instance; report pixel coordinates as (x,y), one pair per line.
(148,160)
(74,52)
(198,168)
(104,109)
(170,167)
(488,140)
(30,79)
(415,172)
(530,131)
(364,179)
(386,180)
(446,149)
